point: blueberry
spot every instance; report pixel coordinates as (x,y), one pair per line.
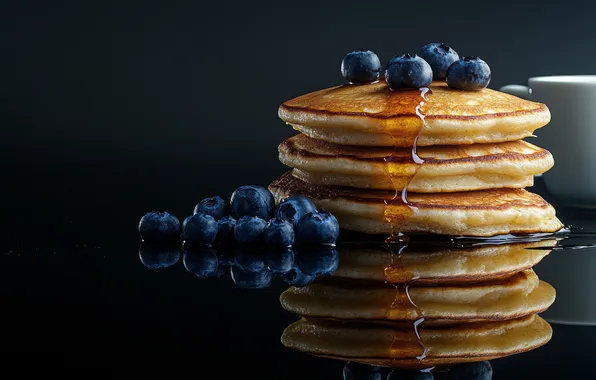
(202,262)
(361,66)
(252,200)
(214,206)
(469,73)
(279,233)
(225,229)
(410,375)
(468,371)
(250,259)
(199,229)
(408,71)
(280,260)
(156,257)
(297,278)
(249,279)
(317,260)
(294,208)
(358,371)
(250,230)
(319,227)
(159,227)
(439,57)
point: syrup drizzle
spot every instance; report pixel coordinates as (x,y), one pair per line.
(399,208)
(397,211)
(401,278)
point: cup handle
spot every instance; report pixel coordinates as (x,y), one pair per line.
(518,90)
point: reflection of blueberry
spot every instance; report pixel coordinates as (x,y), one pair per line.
(252,200)
(410,375)
(155,257)
(222,270)
(468,371)
(280,260)
(295,277)
(250,230)
(159,227)
(319,227)
(294,208)
(279,233)
(225,229)
(214,206)
(225,256)
(250,279)
(202,262)
(199,229)
(249,259)
(317,260)
(357,371)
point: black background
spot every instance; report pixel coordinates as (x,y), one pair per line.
(117,107)
(113,108)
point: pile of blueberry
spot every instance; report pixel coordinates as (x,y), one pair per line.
(434,61)
(250,218)
(249,267)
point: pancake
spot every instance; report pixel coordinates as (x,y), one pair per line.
(387,344)
(445,168)
(439,265)
(373,115)
(474,213)
(517,296)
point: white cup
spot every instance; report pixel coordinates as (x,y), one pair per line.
(570,136)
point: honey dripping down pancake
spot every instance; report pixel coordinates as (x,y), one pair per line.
(433,116)
(395,212)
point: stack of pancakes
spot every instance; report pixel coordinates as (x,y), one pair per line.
(459,155)
(423,306)
(418,162)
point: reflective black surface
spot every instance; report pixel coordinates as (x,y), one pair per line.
(112,109)
(93,297)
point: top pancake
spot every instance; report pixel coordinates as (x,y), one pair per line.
(372,114)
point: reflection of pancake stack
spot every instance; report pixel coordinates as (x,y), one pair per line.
(422,308)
